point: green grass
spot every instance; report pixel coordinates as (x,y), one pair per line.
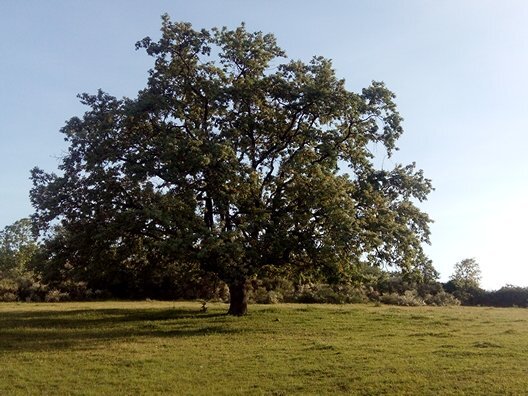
(128,348)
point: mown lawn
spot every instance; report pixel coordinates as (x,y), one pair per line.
(129,348)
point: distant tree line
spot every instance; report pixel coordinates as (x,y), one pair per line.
(29,272)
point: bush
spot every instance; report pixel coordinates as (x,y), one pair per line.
(507,296)
(331,294)
(413,298)
(32,291)
(409,298)
(390,298)
(22,288)
(263,296)
(441,299)
(8,290)
(319,294)
(56,296)
(75,291)
(510,296)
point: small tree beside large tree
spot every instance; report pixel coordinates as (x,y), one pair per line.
(17,248)
(235,159)
(464,283)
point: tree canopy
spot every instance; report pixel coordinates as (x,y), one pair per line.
(238,160)
(466,274)
(17,247)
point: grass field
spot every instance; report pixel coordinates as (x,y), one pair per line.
(128,348)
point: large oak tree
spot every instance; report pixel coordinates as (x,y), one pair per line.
(236,159)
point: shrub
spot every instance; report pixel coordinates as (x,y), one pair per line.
(8,290)
(331,294)
(507,296)
(408,298)
(263,296)
(32,291)
(317,294)
(55,295)
(441,299)
(390,298)
(8,297)
(22,288)
(75,291)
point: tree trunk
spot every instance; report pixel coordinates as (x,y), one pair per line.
(237,298)
(208,213)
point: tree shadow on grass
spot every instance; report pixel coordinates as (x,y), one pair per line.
(87,329)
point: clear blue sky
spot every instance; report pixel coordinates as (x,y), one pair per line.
(459,69)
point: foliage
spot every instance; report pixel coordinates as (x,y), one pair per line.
(389,288)
(417,286)
(441,299)
(467,274)
(464,283)
(56,280)
(330,294)
(172,348)
(17,248)
(507,296)
(8,290)
(132,279)
(232,161)
(408,298)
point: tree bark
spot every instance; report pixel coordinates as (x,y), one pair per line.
(237,298)
(208,213)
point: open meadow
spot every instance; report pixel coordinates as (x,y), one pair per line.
(173,348)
